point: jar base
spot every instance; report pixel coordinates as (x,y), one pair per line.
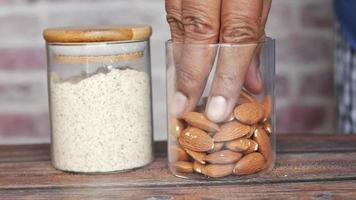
(202,177)
(103,172)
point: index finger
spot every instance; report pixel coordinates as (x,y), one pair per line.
(174,19)
(201,21)
(240,22)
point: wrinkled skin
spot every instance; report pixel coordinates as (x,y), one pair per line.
(209,22)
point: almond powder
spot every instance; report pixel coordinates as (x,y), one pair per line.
(101,122)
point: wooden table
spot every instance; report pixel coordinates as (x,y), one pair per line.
(318,166)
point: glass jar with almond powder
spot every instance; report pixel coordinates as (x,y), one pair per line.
(99,88)
(242,144)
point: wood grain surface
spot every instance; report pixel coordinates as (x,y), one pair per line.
(307,167)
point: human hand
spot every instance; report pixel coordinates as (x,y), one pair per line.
(209,22)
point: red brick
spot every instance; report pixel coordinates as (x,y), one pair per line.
(317,14)
(299,118)
(303,50)
(318,83)
(23,125)
(282,86)
(22,59)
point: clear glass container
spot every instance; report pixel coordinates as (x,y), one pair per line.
(243,144)
(99,87)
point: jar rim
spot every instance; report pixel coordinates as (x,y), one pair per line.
(239,44)
(97,34)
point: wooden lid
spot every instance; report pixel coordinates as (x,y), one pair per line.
(97,34)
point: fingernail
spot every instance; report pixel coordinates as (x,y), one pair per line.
(216,109)
(180,101)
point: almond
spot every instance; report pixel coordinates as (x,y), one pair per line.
(176,127)
(197,167)
(249,164)
(183,166)
(199,120)
(267,106)
(250,134)
(217,147)
(230,131)
(197,156)
(249,113)
(268,127)
(264,144)
(245,97)
(196,140)
(239,145)
(223,157)
(253,147)
(177,154)
(216,171)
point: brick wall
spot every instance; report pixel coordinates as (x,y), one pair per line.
(305,92)
(303,30)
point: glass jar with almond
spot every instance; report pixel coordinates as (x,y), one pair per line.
(220,109)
